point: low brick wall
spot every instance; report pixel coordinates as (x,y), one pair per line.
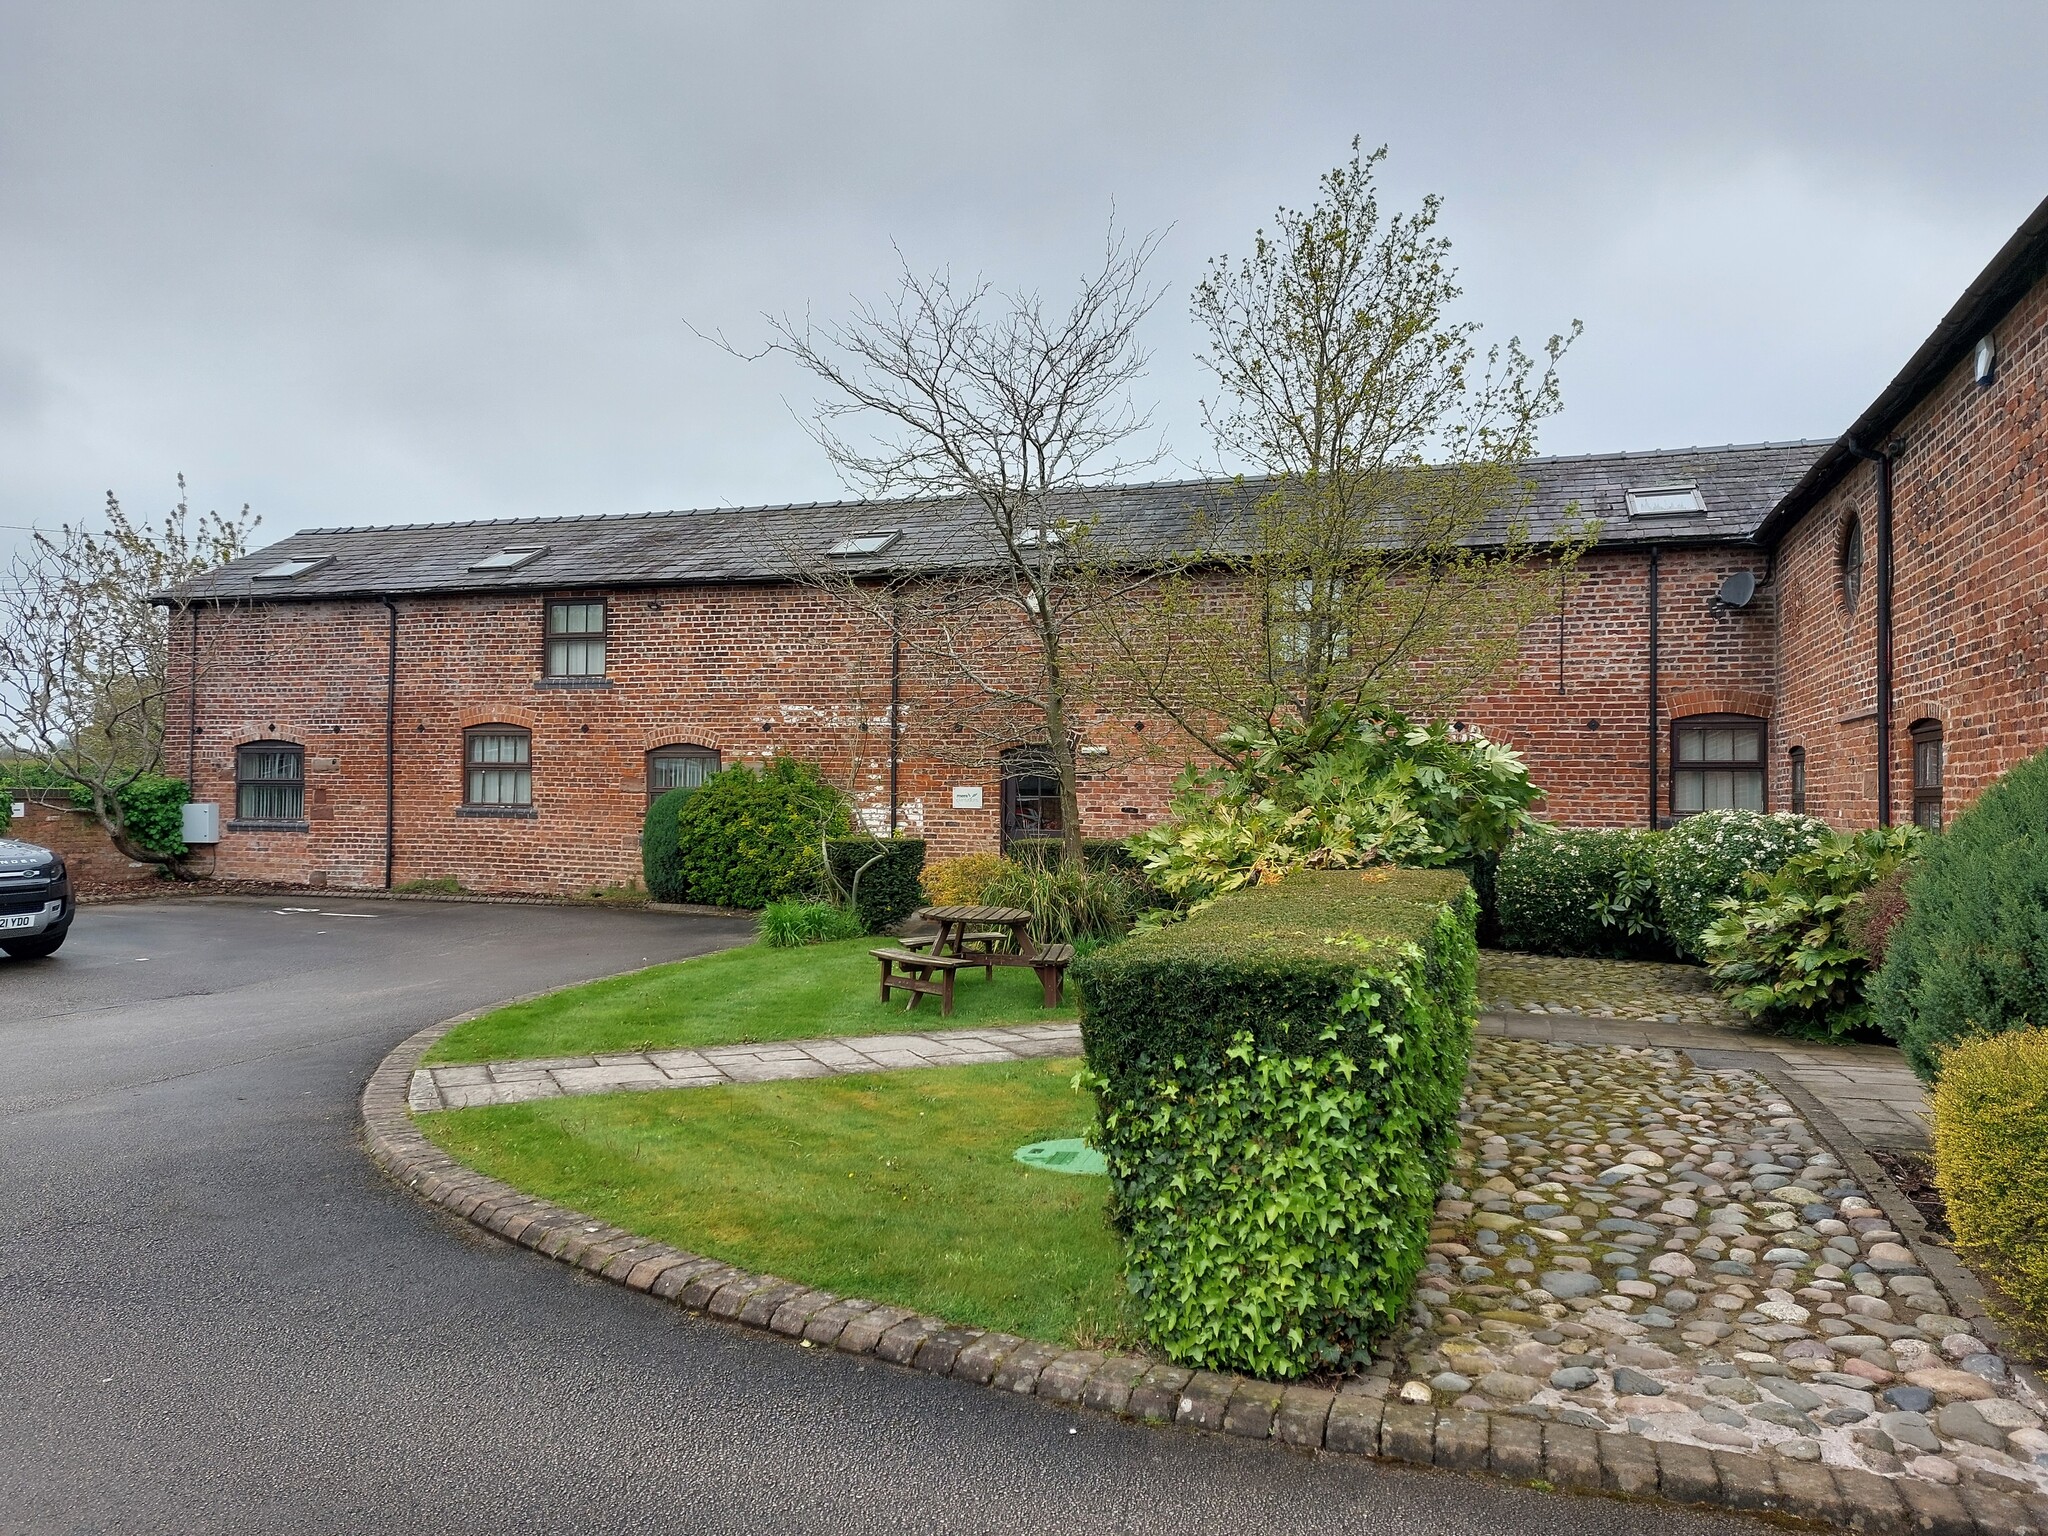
(50,819)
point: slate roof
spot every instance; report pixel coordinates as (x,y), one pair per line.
(1739,485)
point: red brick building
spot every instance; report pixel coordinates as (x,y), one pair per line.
(495,702)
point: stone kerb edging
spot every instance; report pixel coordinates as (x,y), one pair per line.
(1306,1417)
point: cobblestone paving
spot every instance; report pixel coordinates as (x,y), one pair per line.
(516,1082)
(1607,989)
(1634,1243)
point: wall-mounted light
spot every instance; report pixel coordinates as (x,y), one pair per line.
(1987,361)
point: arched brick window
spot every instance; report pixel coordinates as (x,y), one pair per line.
(270,781)
(680,766)
(1031,795)
(497,763)
(1927,769)
(1717,764)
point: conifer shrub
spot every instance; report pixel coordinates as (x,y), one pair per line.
(1970,957)
(1991,1161)
(659,866)
(1277,1082)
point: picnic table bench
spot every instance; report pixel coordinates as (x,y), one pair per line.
(968,937)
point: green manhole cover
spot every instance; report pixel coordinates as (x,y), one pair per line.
(1068,1155)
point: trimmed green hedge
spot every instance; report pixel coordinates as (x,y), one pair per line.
(1568,892)
(889,890)
(1278,1082)
(1970,957)
(659,865)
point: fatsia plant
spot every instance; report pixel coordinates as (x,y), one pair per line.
(1788,956)
(1332,795)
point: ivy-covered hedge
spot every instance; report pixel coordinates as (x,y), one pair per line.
(1705,859)
(891,871)
(1564,892)
(745,839)
(1277,1082)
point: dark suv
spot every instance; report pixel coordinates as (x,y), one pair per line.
(35,900)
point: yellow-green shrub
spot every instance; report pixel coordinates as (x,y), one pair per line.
(963,882)
(1991,1160)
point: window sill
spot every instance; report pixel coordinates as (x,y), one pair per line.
(499,812)
(269,826)
(572,682)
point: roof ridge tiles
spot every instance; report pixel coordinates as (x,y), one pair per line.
(545,519)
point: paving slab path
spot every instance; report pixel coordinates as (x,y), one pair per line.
(554,1077)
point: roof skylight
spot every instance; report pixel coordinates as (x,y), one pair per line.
(510,558)
(856,544)
(1034,538)
(288,570)
(1666,501)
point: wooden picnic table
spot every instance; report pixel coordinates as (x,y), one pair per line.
(957,924)
(1001,936)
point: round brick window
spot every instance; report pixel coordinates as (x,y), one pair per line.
(1852,562)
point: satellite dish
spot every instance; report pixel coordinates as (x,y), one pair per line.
(1737,590)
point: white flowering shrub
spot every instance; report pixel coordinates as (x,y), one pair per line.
(1706,859)
(1565,892)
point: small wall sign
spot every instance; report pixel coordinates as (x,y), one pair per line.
(966,797)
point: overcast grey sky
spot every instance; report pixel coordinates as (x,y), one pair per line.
(368,262)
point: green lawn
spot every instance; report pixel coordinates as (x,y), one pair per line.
(748,994)
(898,1187)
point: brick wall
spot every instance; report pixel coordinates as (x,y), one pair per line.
(758,670)
(1970,605)
(1583,725)
(53,822)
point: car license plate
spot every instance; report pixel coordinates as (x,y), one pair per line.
(26,920)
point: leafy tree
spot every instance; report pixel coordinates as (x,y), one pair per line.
(1007,406)
(1380,554)
(89,623)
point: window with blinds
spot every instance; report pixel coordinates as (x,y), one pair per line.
(498,766)
(1717,764)
(576,639)
(270,782)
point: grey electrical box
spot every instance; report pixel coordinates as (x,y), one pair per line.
(201,822)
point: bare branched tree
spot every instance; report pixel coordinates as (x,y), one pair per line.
(86,668)
(1379,553)
(1004,407)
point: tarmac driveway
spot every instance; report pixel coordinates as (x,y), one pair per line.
(215,1316)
